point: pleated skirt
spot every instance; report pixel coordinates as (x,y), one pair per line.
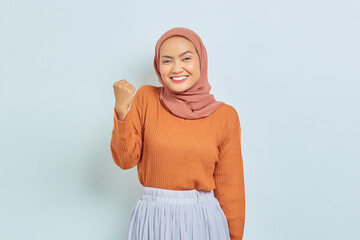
(163,214)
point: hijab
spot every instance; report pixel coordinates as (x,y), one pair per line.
(195,102)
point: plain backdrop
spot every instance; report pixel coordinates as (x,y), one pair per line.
(290,68)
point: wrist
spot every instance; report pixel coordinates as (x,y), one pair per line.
(120,108)
(121,113)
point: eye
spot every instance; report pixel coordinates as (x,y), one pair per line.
(187,58)
(166,61)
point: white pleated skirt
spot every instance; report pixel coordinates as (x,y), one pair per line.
(163,214)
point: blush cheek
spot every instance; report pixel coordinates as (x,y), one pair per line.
(191,69)
(163,73)
(194,68)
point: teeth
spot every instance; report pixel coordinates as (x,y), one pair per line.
(179,78)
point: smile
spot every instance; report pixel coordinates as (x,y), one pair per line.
(179,79)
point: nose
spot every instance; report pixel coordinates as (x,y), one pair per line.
(177,67)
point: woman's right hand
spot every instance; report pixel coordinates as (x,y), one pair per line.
(124,94)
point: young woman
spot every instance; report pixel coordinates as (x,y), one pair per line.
(186,145)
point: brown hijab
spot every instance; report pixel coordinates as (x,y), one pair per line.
(196,102)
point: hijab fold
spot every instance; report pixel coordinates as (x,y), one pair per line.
(196,102)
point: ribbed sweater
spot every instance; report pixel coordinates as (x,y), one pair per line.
(181,154)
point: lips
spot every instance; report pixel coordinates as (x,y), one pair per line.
(179,81)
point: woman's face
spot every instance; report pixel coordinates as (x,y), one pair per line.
(179,58)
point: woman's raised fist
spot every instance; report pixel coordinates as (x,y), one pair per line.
(124,94)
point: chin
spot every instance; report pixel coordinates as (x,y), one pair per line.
(178,89)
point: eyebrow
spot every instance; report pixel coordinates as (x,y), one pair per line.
(179,55)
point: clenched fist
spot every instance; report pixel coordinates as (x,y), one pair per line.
(124,94)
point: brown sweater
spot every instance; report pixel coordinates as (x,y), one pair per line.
(180,154)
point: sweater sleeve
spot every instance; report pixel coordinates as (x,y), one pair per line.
(229,178)
(127,135)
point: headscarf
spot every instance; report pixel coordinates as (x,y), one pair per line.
(196,102)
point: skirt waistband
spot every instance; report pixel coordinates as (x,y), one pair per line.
(176,196)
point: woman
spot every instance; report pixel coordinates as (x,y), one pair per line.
(186,145)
